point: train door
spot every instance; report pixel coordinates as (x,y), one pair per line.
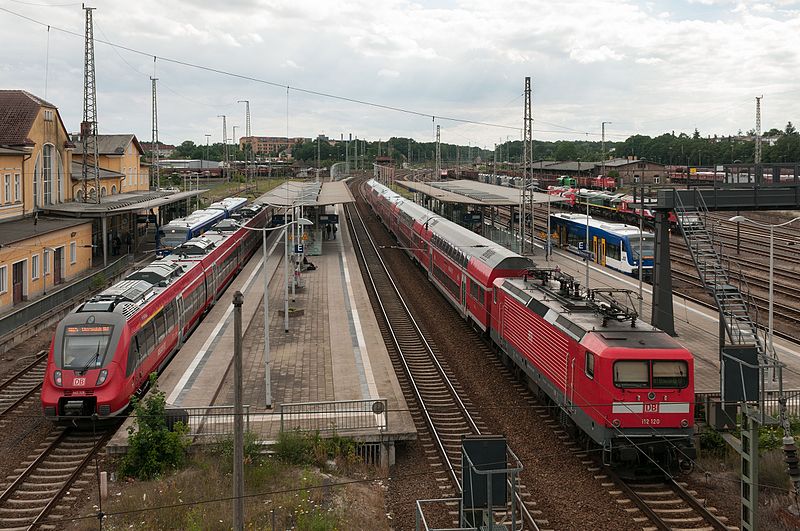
(214,281)
(602,257)
(570,395)
(464,294)
(594,249)
(181,318)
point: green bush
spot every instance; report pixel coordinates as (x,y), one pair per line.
(297,448)
(252,449)
(711,441)
(152,448)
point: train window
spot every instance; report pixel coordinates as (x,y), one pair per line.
(632,373)
(670,374)
(613,250)
(158,321)
(494,295)
(589,364)
(133,357)
(85,346)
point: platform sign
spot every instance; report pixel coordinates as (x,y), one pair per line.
(739,374)
(472,217)
(485,453)
(328,219)
(298,249)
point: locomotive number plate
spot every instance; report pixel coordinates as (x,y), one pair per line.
(79,382)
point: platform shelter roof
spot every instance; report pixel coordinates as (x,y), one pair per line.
(475,193)
(293,193)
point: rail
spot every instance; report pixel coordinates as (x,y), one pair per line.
(335,416)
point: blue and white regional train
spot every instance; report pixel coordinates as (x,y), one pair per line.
(182,230)
(614,245)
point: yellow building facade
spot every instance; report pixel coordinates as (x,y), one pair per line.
(121,158)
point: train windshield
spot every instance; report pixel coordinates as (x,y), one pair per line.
(670,374)
(85,346)
(632,373)
(648,246)
(173,236)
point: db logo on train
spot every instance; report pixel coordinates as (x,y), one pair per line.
(651,408)
(77,382)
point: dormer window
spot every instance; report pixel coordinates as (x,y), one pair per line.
(49,115)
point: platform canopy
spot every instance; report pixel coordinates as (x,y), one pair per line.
(293,193)
(121,203)
(475,193)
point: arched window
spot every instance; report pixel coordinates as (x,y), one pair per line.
(92,195)
(47,174)
(59,190)
(113,189)
(37,170)
(103,191)
(79,196)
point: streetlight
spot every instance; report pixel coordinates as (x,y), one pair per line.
(603,143)
(264,231)
(739,219)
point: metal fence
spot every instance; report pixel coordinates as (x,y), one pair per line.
(43,307)
(209,422)
(335,416)
(771,406)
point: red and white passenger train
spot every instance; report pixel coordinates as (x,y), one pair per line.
(627,386)
(106,348)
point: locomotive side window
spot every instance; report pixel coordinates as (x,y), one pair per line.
(670,374)
(589,364)
(632,374)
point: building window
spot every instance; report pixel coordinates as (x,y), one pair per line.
(46,261)
(17,187)
(656,179)
(79,196)
(73,252)
(59,188)
(635,179)
(47,173)
(7,188)
(113,189)
(35,266)
(36,171)
(103,191)
(49,115)
(3,279)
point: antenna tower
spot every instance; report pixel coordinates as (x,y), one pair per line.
(89,167)
(224,146)
(249,145)
(156,173)
(438,154)
(758,130)
(527,145)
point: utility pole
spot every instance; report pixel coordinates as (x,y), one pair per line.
(409,152)
(758,130)
(249,145)
(235,127)
(154,140)
(319,139)
(526,169)
(355,156)
(89,123)
(238,413)
(224,146)
(603,143)
(438,154)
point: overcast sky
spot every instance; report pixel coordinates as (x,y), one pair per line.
(647,67)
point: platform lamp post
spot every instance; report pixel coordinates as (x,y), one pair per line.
(739,219)
(264,230)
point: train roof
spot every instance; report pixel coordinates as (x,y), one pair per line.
(195,219)
(560,300)
(618,229)
(229,204)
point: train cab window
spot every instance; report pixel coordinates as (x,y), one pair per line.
(133,357)
(632,374)
(589,364)
(85,346)
(670,374)
(494,295)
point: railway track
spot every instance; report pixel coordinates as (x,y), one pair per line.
(42,491)
(668,505)
(24,384)
(446,414)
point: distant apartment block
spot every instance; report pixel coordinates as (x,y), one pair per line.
(269,146)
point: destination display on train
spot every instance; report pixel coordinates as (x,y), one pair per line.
(89,329)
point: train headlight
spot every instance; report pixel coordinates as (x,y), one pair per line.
(615,423)
(101,378)
(684,423)
(57,378)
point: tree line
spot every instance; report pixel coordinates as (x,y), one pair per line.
(669,148)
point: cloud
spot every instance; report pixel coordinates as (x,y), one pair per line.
(387,73)
(594,55)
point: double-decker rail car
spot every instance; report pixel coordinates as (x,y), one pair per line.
(613,245)
(626,385)
(459,262)
(106,348)
(195,224)
(229,205)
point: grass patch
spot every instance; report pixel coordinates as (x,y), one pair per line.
(285,490)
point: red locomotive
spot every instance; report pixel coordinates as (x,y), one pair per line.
(106,348)
(625,385)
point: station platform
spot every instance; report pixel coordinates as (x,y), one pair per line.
(331,372)
(696,326)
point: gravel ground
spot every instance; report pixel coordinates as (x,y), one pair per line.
(564,489)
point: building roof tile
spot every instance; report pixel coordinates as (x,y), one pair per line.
(18,110)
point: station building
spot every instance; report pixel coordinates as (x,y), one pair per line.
(36,252)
